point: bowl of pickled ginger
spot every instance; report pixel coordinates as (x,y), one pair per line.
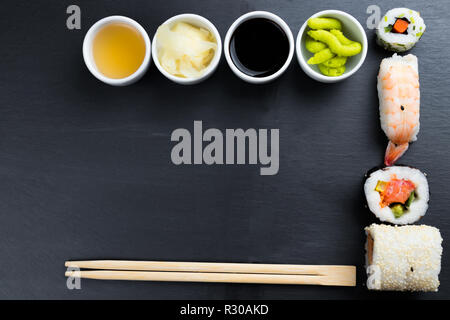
(187,48)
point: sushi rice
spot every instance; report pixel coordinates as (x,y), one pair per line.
(418,207)
(400,42)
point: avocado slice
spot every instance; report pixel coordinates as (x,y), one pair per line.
(411,198)
(398,210)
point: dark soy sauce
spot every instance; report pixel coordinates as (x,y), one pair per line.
(259,47)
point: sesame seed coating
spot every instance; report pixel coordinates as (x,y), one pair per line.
(406,258)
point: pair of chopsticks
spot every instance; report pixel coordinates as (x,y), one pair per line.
(214,272)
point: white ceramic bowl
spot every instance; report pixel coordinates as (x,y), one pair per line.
(199,21)
(351,29)
(89,59)
(252,15)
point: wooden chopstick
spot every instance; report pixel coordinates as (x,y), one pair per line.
(207,267)
(337,280)
(215,272)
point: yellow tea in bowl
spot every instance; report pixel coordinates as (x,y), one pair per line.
(118,50)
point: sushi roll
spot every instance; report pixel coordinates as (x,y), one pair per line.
(400,29)
(397,194)
(406,258)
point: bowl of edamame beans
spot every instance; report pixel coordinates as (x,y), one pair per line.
(331,46)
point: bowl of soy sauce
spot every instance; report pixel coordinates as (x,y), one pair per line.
(259,47)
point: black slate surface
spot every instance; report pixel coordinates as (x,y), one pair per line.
(85,170)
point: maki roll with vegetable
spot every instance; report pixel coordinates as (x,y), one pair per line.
(406,258)
(397,194)
(400,29)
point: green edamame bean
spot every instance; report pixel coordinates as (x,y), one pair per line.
(314,46)
(342,39)
(335,62)
(324,23)
(331,72)
(321,56)
(334,44)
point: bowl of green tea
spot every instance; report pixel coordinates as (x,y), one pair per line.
(117,50)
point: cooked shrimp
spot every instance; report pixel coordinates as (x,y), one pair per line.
(399,95)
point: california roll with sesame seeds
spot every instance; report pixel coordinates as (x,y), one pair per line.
(406,258)
(400,29)
(397,194)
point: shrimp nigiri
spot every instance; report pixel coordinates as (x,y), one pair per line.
(399,95)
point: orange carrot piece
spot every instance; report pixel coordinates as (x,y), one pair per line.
(400,26)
